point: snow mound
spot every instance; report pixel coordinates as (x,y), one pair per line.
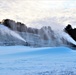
(26,51)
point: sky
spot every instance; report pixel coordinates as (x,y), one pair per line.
(27,11)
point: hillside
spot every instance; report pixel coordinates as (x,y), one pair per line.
(19,34)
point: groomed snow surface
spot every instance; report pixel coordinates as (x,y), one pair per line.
(21,60)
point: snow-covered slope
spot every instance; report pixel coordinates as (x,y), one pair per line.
(46,37)
(22,60)
(9,37)
(43,37)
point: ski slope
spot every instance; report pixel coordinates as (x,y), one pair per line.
(22,60)
(6,31)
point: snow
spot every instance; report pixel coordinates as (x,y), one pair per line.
(22,60)
(4,30)
(67,37)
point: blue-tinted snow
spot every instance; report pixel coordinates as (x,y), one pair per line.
(21,60)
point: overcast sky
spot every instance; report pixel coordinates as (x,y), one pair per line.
(30,10)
